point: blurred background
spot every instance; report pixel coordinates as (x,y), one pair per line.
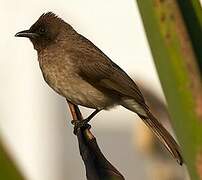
(35,121)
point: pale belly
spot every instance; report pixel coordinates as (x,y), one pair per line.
(82,93)
(76,90)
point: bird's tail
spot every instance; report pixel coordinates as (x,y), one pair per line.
(163,135)
(157,128)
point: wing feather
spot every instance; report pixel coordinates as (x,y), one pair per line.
(96,68)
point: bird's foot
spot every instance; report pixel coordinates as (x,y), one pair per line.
(80,124)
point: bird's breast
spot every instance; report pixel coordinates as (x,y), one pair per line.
(61,75)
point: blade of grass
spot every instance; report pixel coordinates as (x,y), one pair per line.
(8,170)
(176,63)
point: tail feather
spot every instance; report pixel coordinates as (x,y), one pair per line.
(163,135)
(156,127)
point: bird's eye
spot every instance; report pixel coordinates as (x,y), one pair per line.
(42,30)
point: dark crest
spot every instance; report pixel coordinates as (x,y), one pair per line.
(50,16)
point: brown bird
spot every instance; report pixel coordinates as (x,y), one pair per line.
(79,71)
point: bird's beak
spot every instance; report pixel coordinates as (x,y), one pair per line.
(27,34)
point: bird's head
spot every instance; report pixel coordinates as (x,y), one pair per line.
(48,29)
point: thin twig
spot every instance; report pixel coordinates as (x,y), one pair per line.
(76,115)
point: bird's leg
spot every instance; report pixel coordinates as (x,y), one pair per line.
(84,123)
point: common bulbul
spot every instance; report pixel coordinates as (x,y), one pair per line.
(79,71)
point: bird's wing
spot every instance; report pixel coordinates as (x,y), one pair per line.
(101,72)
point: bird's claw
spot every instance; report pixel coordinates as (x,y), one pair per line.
(80,124)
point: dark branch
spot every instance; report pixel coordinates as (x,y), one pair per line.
(97,166)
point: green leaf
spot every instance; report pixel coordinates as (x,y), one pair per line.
(177,54)
(8,170)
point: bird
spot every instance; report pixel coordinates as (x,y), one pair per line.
(78,70)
